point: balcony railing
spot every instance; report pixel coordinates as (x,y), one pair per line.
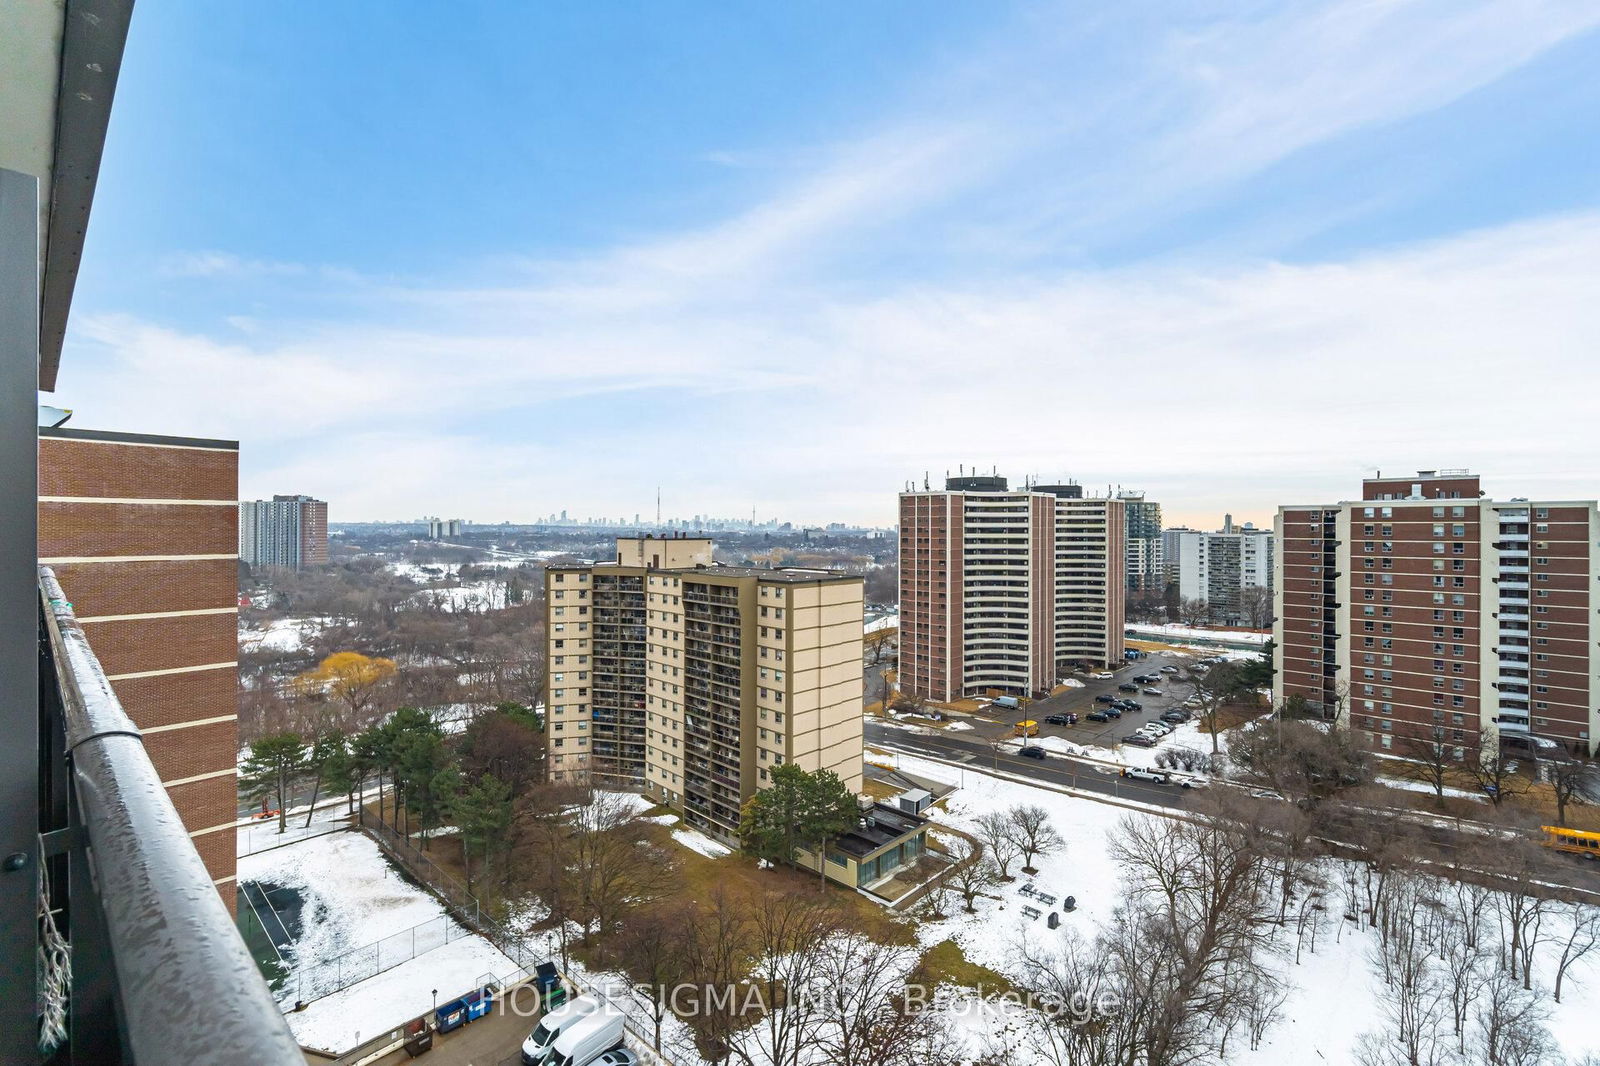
(158,972)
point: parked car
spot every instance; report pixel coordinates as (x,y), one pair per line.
(620,1057)
(1031,752)
(1125,687)
(1139,773)
(1131,705)
(1139,740)
(1105,697)
(1114,711)
(1194,701)
(1152,692)
(1159,729)
(1175,717)
(1007,702)
(1099,716)
(1060,719)
(1169,669)
(1102,675)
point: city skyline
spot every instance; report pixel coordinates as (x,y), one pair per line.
(1233,258)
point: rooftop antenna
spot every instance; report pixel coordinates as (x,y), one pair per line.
(658,505)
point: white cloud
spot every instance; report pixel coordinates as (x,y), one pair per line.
(1215,385)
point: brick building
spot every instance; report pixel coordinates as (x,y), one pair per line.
(140,531)
(1006,590)
(1424,612)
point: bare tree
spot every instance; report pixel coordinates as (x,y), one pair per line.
(1429,760)
(788,933)
(1509,1025)
(974,872)
(1033,834)
(1583,935)
(1414,1003)
(1572,781)
(1214,689)
(868,1016)
(652,951)
(1495,772)
(611,863)
(999,837)
(1255,606)
(1193,612)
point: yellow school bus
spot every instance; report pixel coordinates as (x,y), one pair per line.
(1029,728)
(1572,841)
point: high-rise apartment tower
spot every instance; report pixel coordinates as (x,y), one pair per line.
(1424,612)
(692,681)
(1007,590)
(286,531)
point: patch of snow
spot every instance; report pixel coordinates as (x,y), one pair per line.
(695,840)
(957,727)
(1179,633)
(343,1020)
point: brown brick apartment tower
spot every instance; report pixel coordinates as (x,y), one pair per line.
(1425,612)
(141,532)
(1004,590)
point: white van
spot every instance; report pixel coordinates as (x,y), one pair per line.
(540,1045)
(589,1038)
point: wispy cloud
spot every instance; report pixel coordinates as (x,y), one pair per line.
(1213,381)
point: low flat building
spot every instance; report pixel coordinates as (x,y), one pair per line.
(886,842)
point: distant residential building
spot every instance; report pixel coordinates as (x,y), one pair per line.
(691,681)
(1144,545)
(1426,613)
(286,531)
(440,528)
(1217,567)
(1007,590)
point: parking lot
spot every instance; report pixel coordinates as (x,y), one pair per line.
(1081,701)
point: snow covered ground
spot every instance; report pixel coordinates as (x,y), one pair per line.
(1334,995)
(1179,634)
(888,621)
(695,840)
(473,596)
(280,634)
(360,915)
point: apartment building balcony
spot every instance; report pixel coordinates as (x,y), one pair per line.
(1510,571)
(125,887)
(1512,725)
(1514,583)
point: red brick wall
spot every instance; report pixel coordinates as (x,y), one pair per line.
(194,601)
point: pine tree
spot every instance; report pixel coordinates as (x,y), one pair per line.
(483,814)
(274,764)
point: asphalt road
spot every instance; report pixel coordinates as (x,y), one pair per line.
(1055,769)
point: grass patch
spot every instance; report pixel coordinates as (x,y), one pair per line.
(946,964)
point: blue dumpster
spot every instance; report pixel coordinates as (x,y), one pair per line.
(479,1002)
(452,1015)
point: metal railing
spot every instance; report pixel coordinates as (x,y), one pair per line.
(158,972)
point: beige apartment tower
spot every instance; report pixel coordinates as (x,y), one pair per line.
(1424,613)
(1005,590)
(690,681)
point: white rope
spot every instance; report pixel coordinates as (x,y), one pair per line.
(55,973)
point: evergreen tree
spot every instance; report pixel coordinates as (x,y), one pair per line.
(274,764)
(483,814)
(798,810)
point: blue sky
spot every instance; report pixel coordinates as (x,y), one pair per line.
(496,260)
